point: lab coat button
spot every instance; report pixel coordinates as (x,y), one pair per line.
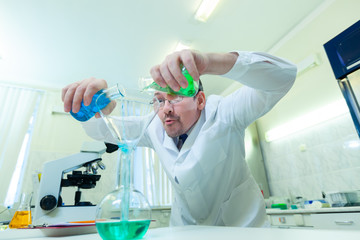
(176,180)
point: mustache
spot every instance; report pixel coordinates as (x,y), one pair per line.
(170,116)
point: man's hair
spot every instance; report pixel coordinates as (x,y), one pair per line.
(200,86)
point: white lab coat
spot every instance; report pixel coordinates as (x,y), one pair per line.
(211,180)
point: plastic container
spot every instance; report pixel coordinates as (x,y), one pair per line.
(282,206)
(343,199)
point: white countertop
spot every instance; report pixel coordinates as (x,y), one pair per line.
(205,232)
(309,211)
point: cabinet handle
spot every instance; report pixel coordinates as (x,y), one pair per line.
(344,222)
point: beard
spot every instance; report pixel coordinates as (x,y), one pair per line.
(173,134)
(176,128)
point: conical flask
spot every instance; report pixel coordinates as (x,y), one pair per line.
(125,213)
(190,91)
(99,101)
(22,216)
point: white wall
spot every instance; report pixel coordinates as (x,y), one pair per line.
(60,135)
(316,87)
(325,165)
(56,132)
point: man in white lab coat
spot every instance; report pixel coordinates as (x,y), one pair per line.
(211,180)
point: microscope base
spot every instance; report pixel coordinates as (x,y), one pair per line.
(67,214)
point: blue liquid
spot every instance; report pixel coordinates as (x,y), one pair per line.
(87,112)
(125,179)
(123,229)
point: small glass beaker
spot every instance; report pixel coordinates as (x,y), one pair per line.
(22,216)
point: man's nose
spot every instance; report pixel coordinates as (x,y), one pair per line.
(168,107)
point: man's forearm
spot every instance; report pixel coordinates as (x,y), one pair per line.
(220,63)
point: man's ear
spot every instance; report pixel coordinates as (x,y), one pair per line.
(201,101)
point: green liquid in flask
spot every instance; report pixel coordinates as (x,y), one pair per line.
(135,229)
(189,91)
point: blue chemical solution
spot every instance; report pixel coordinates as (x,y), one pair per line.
(125,158)
(87,112)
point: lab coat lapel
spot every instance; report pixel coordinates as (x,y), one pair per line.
(169,143)
(193,135)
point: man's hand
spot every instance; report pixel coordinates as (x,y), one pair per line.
(169,71)
(84,90)
(197,64)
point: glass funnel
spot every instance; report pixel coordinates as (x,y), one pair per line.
(125,213)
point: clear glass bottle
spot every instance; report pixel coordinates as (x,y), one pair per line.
(22,216)
(189,91)
(99,101)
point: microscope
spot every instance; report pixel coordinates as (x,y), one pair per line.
(49,207)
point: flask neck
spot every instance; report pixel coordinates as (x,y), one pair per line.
(125,169)
(190,91)
(114,92)
(25,201)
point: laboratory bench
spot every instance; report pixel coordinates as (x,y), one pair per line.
(345,218)
(203,232)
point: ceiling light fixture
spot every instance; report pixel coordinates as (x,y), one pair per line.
(308,63)
(321,115)
(205,9)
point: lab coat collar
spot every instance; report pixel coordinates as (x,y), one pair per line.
(208,112)
(211,105)
(205,113)
(193,134)
(169,143)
